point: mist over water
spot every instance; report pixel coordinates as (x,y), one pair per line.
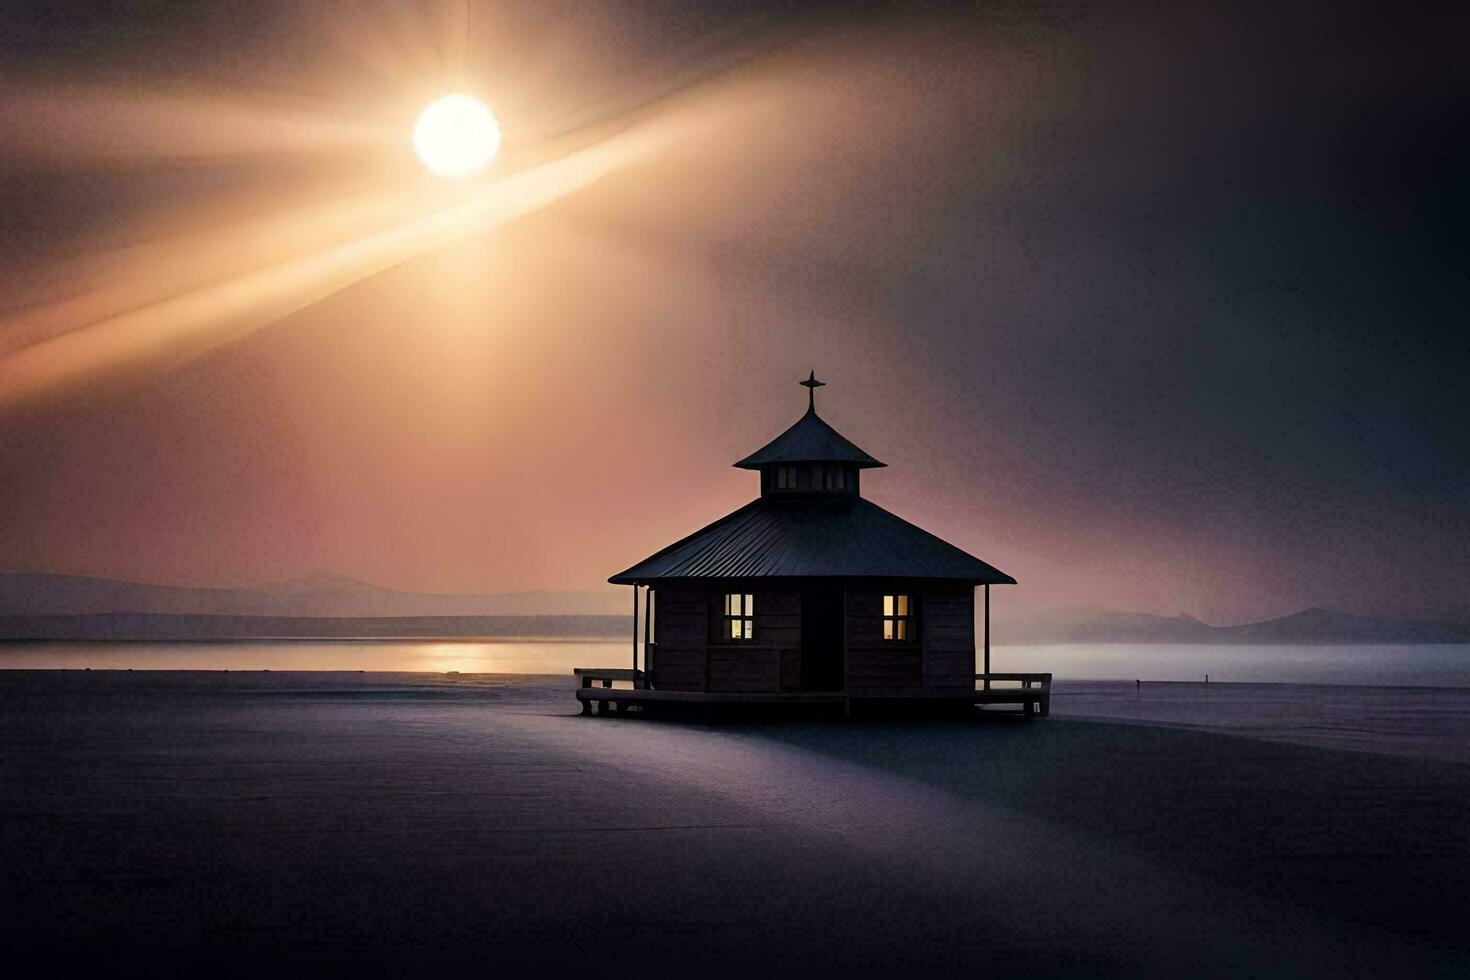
(1430,665)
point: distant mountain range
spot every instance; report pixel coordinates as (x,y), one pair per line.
(46,606)
(1310,626)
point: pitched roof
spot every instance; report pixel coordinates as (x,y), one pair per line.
(809,440)
(852,538)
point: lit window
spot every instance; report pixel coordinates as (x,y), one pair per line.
(739,618)
(786,478)
(898,615)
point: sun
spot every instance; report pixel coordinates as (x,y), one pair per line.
(456,135)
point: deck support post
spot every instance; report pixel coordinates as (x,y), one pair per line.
(635,631)
(647,632)
(987,636)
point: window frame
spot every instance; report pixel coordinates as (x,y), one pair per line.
(784,477)
(742,611)
(895,627)
(834,478)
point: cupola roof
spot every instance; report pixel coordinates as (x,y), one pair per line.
(809,440)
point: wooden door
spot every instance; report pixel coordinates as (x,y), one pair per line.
(821,639)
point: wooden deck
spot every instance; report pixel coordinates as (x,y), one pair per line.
(1031,693)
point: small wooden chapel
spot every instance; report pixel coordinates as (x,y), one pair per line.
(809,593)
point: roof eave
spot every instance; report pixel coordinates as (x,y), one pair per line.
(751,463)
(627,578)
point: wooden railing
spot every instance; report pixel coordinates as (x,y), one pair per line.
(1042,681)
(589,676)
(1032,690)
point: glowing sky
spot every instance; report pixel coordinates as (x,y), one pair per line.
(1158,309)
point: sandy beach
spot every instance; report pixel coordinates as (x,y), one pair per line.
(406,823)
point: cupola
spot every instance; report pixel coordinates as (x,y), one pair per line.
(810,459)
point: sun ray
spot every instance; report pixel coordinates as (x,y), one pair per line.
(174,330)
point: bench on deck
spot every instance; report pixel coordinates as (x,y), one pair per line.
(606,676)
(1032,691)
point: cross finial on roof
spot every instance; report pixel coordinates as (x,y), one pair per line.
(811,384)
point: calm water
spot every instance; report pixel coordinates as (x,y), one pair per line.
(510,657)
(1446,665)
(1431,665)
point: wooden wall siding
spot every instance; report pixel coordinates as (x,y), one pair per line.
(686,620)
(872,664)
(678,668)
(680,617)
(948,632)
(942,659)
(885,668)
(760,666)
(681,634)
(778,618)
(746,668)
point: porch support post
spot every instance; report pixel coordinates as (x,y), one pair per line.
(987,636)
(635,627)
(647,632)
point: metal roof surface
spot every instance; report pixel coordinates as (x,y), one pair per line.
(809,440)
(773,536)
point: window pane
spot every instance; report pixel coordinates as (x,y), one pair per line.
(903,605)
(902,627)
(887,629)
(888,605)
(749,629)
(749,604)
